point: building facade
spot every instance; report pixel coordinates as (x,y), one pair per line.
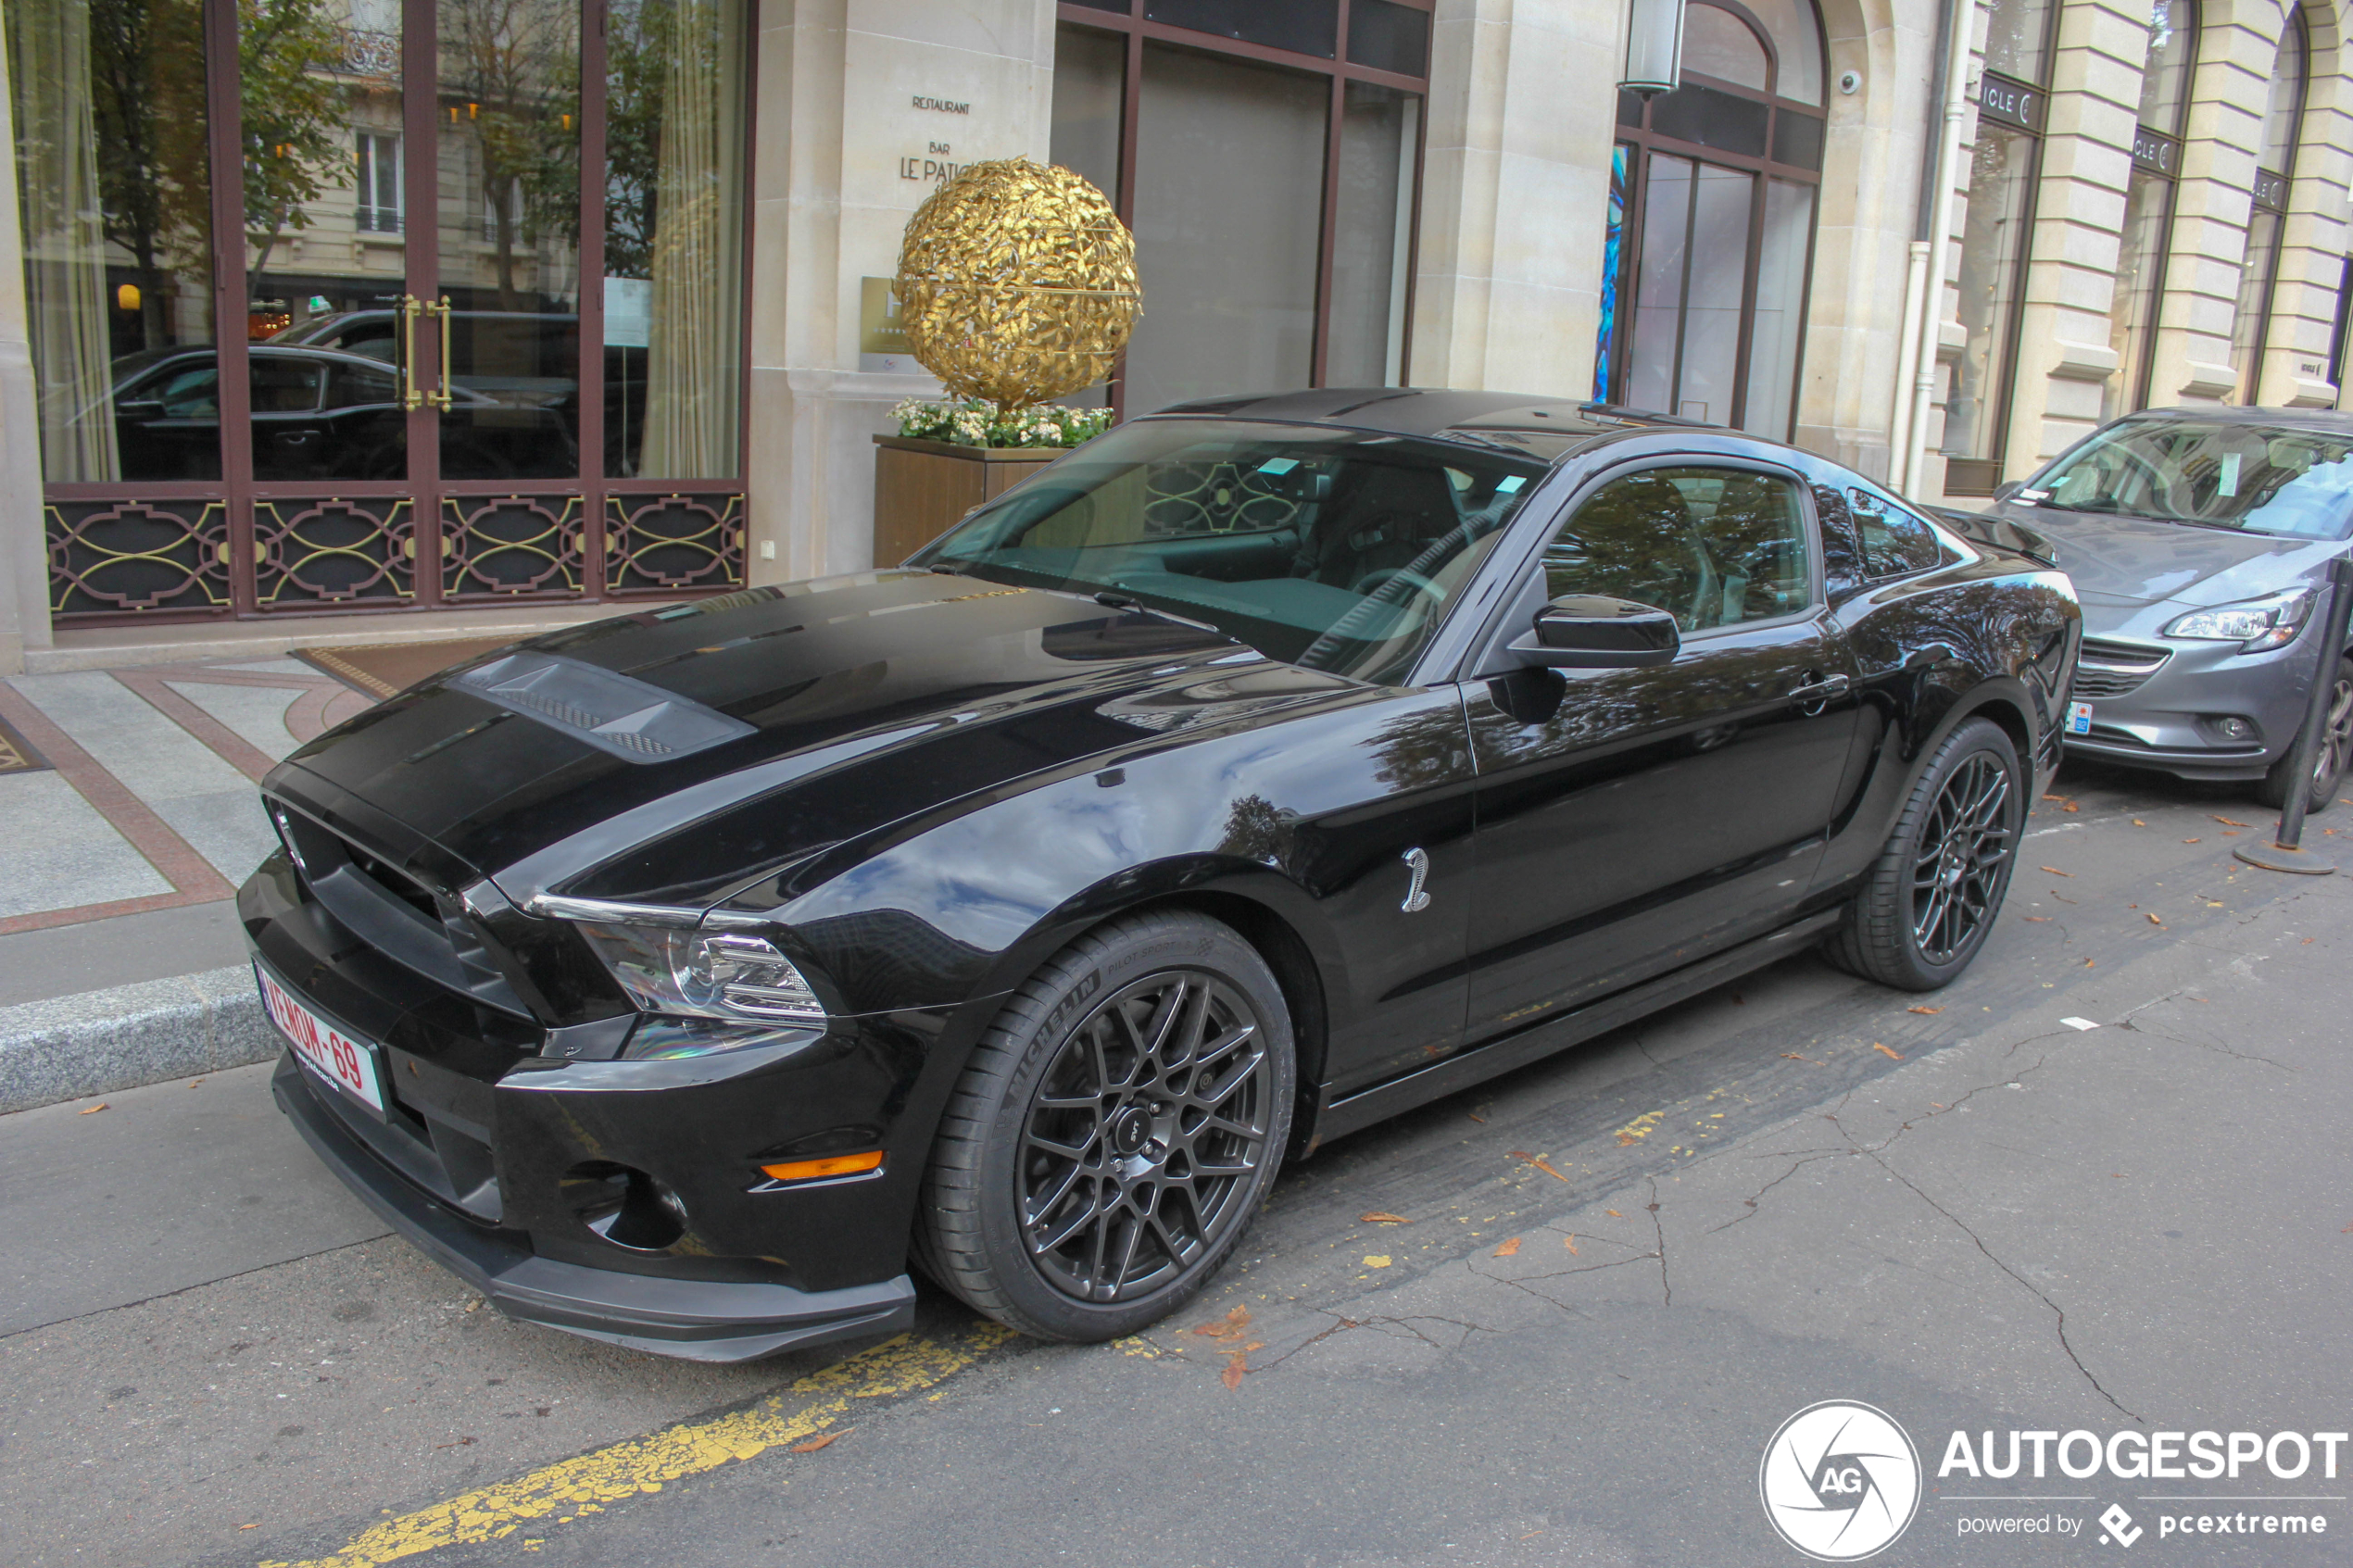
(421,306)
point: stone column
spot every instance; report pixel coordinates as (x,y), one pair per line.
(1516,194)
(863,107)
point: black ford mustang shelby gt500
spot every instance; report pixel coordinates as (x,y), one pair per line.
(1261,770)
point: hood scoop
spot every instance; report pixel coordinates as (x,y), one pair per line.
(628,718)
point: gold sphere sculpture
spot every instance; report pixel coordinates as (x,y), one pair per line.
(1017,283)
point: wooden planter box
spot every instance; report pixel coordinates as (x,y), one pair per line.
(922,488)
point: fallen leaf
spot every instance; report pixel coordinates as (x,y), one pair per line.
(2054,797)
(1508,1248)
(2056,872)
(1923,1009)
(1569,1242)
(1380,1218)
(92,1111)
(1376,1259)
(1613,1213)
(1235,1366)
(1539,1162)
(814,1444)
(198,1082)
(2229,821)
(2138,823)
(1792,1056)
(2070,806)
(2090,963)
(1230,1326)
(2189,841)
(249,1526)
(2152,920)
(1475,1117)
(2227,834)
(1892,1056)
(2038,918)
(460,1443)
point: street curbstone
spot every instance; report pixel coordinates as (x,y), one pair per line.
(97,1042)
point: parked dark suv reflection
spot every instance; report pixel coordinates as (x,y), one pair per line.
(1259,770)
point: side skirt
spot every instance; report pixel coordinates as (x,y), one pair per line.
(1419,1087)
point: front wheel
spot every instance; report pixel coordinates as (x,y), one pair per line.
(1114,1132)
(2336,750)
(1925,909)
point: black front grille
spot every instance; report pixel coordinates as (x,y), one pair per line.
(423,929)
(2107,669)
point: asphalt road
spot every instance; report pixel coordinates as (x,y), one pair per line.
(1620,1272)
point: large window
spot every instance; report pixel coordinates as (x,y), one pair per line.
(2274,174)
(462,318)
(1711,223)
(1265,157)
(1990,279)
(2149,206)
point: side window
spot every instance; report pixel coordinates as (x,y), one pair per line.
(1711,546)
(354,387)
(282,385)
(1894,541)
(192,393)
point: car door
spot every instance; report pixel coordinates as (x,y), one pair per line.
(1633,820)
(289,437)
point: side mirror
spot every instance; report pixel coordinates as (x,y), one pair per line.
(1596,632)
(2004,492)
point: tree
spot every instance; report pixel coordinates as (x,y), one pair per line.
(293,113)
(147,108)
(511,74)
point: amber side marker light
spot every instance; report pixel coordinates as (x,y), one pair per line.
(833,1165)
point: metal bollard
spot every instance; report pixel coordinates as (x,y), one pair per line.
(2286,852)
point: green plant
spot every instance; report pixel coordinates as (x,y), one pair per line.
(976,421)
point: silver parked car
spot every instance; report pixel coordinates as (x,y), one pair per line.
(2199,543)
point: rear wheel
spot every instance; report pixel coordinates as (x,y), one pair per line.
(1925,909)
(1114,1133)
(2336,750)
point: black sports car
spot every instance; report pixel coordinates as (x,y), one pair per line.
(1262,769)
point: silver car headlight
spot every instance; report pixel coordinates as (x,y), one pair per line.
(2271,622)
(702,990)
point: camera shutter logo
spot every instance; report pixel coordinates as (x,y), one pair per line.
(1840,1481)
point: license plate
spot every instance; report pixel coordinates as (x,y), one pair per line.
(348,1063)
(2079,717)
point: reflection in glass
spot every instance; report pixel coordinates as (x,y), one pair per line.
(1718,44)
(2255,284)
(1687,302)
(1372,236)
(673,239)
(114,193)
(2140,273)
(1613,258)
(1089,71)
(1780,309)
(2016,34)
(2165,79)
(2285,105)
(507,113)
(1796,33)
(1992,246)
(1658,291)
(1225,238)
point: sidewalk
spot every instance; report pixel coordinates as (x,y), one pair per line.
(128,817)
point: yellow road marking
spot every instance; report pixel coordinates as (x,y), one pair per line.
(580,1485)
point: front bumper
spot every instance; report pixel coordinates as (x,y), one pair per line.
(698,1320)
(2168,720)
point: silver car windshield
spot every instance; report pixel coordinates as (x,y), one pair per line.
(1334,549)
(2260,479)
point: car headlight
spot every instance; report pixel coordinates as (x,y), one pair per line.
(702,990)
(2271,622)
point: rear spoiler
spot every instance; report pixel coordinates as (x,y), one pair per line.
(1988,528)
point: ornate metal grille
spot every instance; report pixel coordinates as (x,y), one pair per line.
(673,542)
(337,551)
(503,547)
(109,557)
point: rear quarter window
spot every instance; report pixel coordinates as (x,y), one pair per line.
(1893,540)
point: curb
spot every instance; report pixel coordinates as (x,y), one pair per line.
(97,1042)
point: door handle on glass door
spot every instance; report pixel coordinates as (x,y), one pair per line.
(441,399)
(410,308)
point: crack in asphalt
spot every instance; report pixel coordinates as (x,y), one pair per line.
(1666,1285)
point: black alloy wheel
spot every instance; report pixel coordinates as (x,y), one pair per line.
(1144,1131)
(1963,859)
(2329,764)
(1114,1133)
(1925,908)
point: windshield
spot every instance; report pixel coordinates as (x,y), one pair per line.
(2263,479)
(1334,549)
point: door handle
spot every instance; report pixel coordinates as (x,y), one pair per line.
(1815,695)
(410,308)
(441,399)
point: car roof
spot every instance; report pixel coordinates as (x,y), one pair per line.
(1547,429)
